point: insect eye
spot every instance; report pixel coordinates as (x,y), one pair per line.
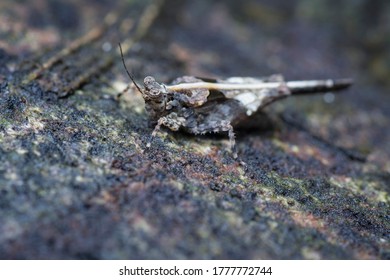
(152,88)
(155,92)
(149,80)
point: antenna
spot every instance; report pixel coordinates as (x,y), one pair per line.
(128,73)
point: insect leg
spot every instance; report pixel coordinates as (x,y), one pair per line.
(172,121)
(155,130)
(220,126)
(232,140)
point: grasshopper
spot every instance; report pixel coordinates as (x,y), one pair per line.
(199,106)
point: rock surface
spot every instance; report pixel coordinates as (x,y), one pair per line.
(76,179)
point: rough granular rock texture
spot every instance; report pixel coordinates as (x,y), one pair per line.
(76,178)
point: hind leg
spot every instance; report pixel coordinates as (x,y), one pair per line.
(218,126)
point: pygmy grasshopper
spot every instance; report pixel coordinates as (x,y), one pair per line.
(200,106)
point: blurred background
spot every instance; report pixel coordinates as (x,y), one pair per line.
(276,36)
